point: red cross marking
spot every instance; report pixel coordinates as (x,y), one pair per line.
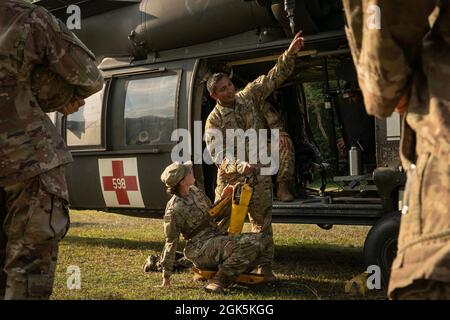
(120,183)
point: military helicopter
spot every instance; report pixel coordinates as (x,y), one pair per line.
(155,56)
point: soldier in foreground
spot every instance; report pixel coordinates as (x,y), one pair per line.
(405,66)
(187,214)
(243,110)
(43,68)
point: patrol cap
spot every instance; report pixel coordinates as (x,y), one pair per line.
(175,172)
(51,90)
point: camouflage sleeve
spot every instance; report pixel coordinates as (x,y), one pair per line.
(172,234)
(65,54)
(264,85)
(384,57)
(216,148)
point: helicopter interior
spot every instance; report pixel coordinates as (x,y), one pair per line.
(320,105)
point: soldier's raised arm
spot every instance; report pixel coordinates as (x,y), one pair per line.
(264,85)
(385,56)
(63,53)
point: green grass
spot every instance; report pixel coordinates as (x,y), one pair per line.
(110,250)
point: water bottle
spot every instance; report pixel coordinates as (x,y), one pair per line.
(354,156)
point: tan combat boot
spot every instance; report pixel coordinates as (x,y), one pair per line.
(219,283)
(269,276)
(283,193)
(214,287)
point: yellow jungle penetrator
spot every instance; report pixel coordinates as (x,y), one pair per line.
(245,278)
(242,193)
(240,199)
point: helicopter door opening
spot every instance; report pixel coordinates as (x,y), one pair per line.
(322,110)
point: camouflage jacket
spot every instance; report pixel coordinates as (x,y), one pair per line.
(397,60)
(249,112)
(31,36)
(187,216)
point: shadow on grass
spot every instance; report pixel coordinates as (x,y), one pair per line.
(318,255)
(311,272)
(82,224)
(296,288)
(115,243)
(303,289)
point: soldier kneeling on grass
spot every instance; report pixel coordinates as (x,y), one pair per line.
(187,214)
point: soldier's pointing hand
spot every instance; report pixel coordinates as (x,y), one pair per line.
(297,43)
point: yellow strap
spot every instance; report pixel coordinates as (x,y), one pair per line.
(246,278)
(246,194)
(239,211)
(250,278)
(238,214)
(206,274)
(216,209)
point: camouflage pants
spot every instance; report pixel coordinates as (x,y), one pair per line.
(232,255)
(287,162)
(260,214)
(421,268)
(425,290)
(34,222)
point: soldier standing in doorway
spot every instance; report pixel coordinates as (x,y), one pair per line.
(242,110)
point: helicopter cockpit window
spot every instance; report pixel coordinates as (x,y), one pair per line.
(150,110)
(84,126)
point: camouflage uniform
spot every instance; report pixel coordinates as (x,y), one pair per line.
(392,62)
(206,247)
(287,153)
(32,153)
(247,114)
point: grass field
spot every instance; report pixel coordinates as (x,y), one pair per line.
(110,250)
